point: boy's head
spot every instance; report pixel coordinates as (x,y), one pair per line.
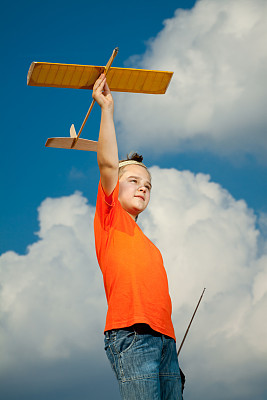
(135,185)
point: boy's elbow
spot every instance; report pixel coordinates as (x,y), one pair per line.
(105,164)
(108,169)
(109,177)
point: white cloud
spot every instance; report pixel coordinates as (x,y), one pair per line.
(210,240)
(216,99)
(52,298)
(53,303)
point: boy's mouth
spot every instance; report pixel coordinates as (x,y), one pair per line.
(141,197)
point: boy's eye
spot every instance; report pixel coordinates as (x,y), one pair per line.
(133,180)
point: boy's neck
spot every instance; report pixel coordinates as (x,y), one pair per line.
(134,217)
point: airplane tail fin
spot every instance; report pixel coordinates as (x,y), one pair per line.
(73,133)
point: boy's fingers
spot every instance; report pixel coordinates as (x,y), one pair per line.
(106,88)
(98,82)
(99,87)
(101,84)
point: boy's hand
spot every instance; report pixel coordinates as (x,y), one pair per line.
(102,94)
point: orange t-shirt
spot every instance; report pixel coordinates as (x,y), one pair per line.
(134,276)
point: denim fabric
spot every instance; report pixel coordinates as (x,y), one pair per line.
(146,366)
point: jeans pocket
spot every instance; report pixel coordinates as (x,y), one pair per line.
(117,344)
(124,341)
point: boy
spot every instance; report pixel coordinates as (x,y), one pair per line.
(139,335)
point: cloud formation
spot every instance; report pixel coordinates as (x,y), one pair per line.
(217,96)
(55,290)
(53,304)
(210,240)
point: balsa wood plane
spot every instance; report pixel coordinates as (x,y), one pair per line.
(83,77)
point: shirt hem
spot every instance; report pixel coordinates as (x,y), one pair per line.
(126,324)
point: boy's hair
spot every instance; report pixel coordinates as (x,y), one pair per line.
(135,158)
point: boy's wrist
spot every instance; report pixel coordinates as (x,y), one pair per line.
(107,110)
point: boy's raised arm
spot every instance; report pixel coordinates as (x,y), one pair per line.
(107,149)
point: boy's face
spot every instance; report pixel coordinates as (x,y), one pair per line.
(134,189)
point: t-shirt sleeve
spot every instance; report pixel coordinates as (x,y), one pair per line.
(106,206)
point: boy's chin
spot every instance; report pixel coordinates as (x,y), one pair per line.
(138,211)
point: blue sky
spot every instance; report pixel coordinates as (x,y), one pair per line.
(60,32)
(211,122)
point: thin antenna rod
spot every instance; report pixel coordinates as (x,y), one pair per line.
(180,348)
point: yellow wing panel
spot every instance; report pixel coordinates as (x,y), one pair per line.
(83,77)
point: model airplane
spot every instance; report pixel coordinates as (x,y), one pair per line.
(83,77)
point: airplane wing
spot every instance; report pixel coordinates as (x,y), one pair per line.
(84,76)
(67,143)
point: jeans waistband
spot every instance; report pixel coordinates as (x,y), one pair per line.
(141,329)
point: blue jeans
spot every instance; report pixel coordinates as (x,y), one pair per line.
(146,365)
